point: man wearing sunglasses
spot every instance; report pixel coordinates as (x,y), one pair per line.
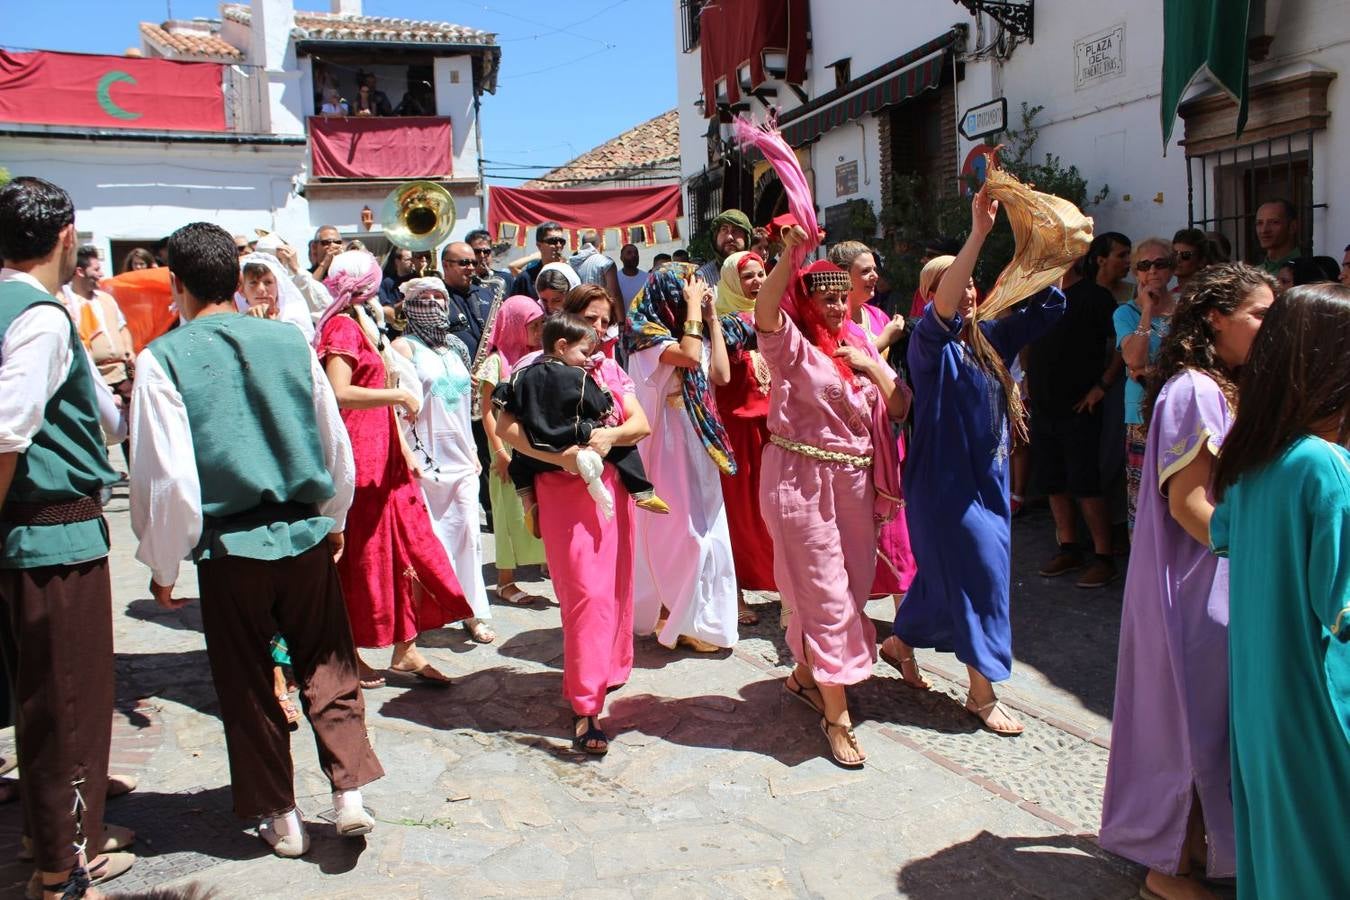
(326,245)
(469,303)
(551,240)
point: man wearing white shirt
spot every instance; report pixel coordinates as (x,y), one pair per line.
(631,278)
(241,462)
(55,594)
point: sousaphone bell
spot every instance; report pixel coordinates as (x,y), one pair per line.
(418,215)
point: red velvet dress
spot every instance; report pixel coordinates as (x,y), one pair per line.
(744,407)
(389,546)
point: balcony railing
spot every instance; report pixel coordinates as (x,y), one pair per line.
(362,147)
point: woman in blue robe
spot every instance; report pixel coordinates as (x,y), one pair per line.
(956,478)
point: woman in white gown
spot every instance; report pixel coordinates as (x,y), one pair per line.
(441,439)
(685,577)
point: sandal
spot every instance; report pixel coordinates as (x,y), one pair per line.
(746,616)
(794,687)
(826,725)
(516,597)
(479,631)
(426,674)
(898,663)
(587,741)
(290,712)
(984,712)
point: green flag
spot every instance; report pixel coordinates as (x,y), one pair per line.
(1203,36)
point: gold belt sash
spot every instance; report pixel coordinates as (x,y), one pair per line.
(848,459)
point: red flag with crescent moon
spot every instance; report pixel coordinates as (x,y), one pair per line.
(48,88)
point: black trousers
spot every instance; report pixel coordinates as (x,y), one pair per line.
(58,652)
(485,459)
(244,603)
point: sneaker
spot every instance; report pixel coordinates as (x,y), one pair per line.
(1066,560)
(1100,572)
(285,838)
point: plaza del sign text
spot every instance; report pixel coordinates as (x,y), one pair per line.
(1099,57)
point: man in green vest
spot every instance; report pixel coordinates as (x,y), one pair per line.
(55,595)
(241,462)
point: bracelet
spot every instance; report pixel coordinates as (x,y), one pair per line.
(693,328)
(501,451)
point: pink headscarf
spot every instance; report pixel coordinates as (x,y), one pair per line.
(509,330)
(353,277)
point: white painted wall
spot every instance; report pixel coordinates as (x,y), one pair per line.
(134,190)
(1109,129)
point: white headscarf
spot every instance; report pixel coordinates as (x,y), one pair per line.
(291,305)
(573,279)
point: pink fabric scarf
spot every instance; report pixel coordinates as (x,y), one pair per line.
(510,330)
(347,288)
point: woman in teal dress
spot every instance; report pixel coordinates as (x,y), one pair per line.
(1283,521)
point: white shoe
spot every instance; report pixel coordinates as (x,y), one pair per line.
(285,834)
(352,819)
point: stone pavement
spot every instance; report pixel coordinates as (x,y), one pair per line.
(716,783)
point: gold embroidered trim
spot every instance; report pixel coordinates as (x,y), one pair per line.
(848,459)
(760,366)
(1203,439)
(1340,620)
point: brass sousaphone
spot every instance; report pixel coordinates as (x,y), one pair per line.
(418,215)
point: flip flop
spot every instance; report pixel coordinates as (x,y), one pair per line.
(923,684)
(426,674)
(800,693)
(371,684)
(518,597)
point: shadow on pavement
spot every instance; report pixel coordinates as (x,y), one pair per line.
(183,677)
(186,618)
(1056,867)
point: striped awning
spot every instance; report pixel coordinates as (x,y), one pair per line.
(903,77)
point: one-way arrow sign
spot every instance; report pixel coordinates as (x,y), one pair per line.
(987,118)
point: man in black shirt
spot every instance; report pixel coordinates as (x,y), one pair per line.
(469,303)
(1069,372)
(550,239)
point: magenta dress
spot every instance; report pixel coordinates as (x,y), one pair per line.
(895,557)
(821,515)
(389,546)
(590,560)
(1169,731)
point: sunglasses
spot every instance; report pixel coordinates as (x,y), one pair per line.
(483,251)
(1164,262)
(462,263)
(1185,255)
(328,242)
(555,241)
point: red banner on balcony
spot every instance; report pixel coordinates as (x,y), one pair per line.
(577,208)
(392,147)
(738,34)
(45,88)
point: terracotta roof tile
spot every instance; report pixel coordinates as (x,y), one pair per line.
(189,43)
(651,148)
(319,26)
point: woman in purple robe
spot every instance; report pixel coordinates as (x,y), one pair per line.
(1167,803)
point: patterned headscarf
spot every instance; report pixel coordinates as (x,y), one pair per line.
(427,315)
(510,330)
(730,300)
(655,317)
(353,279)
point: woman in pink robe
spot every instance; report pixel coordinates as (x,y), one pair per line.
(829,476)
(590,558)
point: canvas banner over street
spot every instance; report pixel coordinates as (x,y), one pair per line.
(110,92)
(575,208)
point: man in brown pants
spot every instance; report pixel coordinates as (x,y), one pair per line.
(55,596)
(240,460)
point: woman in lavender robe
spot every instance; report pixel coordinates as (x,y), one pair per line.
(1167,803)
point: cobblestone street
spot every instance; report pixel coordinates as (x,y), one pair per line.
(716,784)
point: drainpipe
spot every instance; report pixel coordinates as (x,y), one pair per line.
(482,179)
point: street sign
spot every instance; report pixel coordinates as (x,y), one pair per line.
(987,118)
